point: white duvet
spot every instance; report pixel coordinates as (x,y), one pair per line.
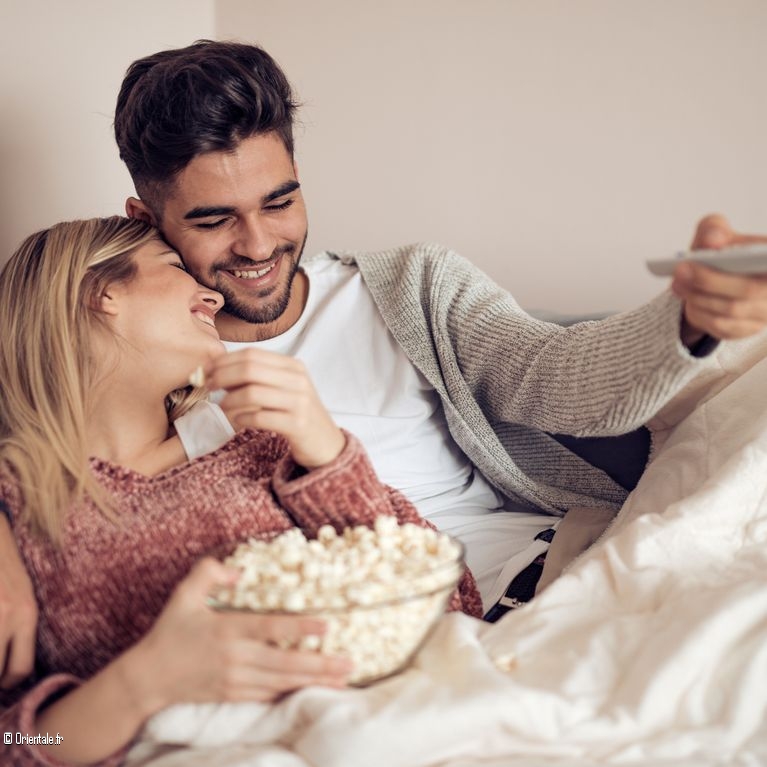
(650,650)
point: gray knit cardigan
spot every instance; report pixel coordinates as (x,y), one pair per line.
(507,381)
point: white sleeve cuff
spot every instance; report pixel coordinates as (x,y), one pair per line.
(203,429)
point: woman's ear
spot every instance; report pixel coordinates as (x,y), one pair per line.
(106,302)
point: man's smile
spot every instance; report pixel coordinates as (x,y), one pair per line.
(252,274)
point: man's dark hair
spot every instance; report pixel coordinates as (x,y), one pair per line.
(175,105)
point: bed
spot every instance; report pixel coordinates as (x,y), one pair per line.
(650,649)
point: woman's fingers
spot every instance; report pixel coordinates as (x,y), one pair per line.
(255,654)
(229,655)
(259,397)
(254,669)
(273,629)
(270,391)
(255,366)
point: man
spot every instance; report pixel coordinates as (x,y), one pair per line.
(452,388)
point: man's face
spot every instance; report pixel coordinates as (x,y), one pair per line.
(238,219)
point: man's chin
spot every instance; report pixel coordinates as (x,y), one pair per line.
(261,305)
(262,315)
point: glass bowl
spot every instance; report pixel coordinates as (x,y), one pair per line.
(379,627)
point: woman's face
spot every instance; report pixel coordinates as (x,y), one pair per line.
(164,315)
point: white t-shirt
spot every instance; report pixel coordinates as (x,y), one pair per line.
(371,388)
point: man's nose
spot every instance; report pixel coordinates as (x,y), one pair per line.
(254,239)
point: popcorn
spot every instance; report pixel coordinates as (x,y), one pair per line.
(378,590)
(197,377)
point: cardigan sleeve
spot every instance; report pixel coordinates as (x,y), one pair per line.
(492,360)
(347,492)
(594,378)
(17,722)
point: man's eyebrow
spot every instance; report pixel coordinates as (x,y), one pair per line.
(282,190)
(211,211)
(208,212)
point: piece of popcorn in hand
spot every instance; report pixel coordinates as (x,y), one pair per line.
(197,377)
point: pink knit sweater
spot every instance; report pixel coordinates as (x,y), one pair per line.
(102,590)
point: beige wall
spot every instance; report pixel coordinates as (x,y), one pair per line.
(61,64)
(555,143)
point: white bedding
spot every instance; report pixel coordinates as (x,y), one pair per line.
(650,650)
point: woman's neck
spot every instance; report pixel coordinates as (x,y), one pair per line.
(133,431)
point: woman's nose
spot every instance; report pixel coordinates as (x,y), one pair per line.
(213,298)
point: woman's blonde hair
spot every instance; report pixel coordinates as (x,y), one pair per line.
(49,298)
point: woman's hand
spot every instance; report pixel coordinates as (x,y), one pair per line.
(266,390)
(194,653)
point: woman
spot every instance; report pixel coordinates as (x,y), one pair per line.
(101,328)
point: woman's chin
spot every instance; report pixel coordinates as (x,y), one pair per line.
(218,350)
(207,353)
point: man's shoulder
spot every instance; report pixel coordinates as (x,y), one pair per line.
(410,255)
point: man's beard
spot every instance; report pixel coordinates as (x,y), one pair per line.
(261,314)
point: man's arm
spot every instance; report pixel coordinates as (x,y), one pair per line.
(18,611)
(617,372)
(469,337)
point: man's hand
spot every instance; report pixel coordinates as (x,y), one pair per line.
(18,613)
(721,305)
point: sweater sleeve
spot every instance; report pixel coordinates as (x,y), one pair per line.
(347,492)
(19,707)
(17,722)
